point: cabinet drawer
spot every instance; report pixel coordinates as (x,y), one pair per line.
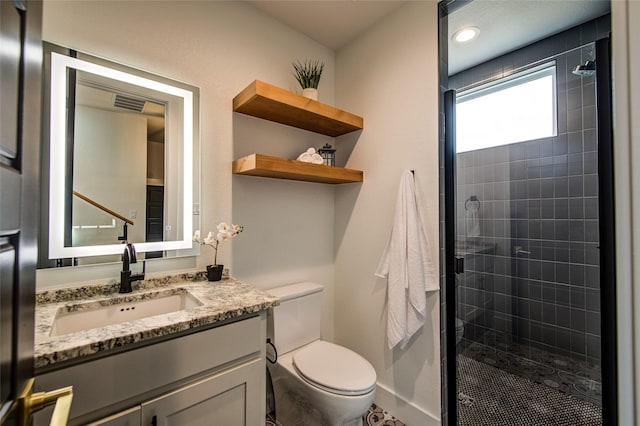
(137,375)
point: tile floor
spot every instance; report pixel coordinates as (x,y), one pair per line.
(376,416)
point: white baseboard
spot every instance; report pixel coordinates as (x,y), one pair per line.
(403,410)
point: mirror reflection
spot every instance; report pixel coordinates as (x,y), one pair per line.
(114,127)
(122,166)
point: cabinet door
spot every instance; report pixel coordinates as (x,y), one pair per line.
(230,398)
(130,417)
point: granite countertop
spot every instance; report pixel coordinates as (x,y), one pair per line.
(219,301)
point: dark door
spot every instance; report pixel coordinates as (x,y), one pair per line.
(9,185)
(20,68)
(155,218)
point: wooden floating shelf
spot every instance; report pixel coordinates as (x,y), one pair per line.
(282,168)
(263,100)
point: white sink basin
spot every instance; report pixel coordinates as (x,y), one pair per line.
(85,316)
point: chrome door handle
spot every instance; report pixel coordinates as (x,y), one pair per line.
(519,250)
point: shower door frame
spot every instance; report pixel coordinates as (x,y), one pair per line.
(606,226)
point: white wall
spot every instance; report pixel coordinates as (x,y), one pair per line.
(221,47)
(626,127)
(389,76)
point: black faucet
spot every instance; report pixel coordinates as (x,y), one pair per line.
(129,256)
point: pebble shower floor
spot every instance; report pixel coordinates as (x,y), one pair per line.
(490,396)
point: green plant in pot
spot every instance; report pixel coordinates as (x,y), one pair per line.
(224,233)
(308,74)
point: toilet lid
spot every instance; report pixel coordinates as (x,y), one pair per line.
(335,369)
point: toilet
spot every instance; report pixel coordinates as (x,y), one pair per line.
(314,382)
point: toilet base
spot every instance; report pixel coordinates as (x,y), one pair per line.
(299,403)
(294,409)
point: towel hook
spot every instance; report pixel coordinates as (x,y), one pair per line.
(473,199)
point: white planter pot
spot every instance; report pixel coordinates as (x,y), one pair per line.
(310,93)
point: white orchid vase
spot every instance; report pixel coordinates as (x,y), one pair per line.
(224,232)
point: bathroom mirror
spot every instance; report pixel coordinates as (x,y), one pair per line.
(123,161)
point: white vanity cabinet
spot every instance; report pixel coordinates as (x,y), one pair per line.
(130,417)
(214,376)
(226,399)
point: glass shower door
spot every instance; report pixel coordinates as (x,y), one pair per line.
(526,248)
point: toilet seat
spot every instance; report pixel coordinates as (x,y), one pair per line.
(335,369)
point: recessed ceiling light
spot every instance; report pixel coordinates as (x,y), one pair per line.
(466,34)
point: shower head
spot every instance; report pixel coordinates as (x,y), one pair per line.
(589,68)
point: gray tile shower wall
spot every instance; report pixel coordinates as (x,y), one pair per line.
(541,197)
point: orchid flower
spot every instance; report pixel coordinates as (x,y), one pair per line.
(224,233)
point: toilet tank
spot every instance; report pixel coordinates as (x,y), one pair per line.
(296,321)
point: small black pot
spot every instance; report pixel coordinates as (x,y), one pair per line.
(214,272)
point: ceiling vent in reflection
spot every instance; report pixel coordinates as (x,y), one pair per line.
(131,104)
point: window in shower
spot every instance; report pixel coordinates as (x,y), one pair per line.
(517,108)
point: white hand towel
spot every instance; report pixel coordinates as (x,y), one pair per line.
(317,159)
(473,221)
(407,265)
(304,157)
(308,156)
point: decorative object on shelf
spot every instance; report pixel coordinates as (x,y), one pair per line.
(224,233)
(311,156)
(214,272)
(328,155)
(308,75)
(310,93)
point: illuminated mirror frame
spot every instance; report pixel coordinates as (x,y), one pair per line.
(58,132)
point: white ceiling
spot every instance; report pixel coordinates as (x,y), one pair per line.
(504,24)
(331,23)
